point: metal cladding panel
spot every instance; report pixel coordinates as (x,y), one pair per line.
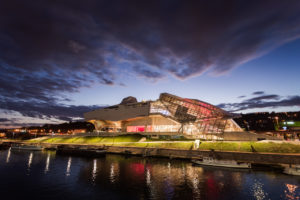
(119,112)
(190,110)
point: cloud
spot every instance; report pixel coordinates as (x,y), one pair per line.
(147,73)
(42,110)
(4,120)
(184,39)
(13,125)
(265,101)
(49,49)
(264,97)
(258,93)
(16,122)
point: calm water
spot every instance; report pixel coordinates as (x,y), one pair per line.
(44,175)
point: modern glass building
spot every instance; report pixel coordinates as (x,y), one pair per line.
(169,114)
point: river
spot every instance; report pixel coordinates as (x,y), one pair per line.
(45,175)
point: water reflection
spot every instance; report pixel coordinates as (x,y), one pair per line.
(290,193)
(29,161)
(114,172)
(175,176)
(116,177)
(69,167)
(47,163)
(94,172)
(169,167)
(148,177)
(237,179)
(8,155)
(150,183)
(258,191)
(195,179)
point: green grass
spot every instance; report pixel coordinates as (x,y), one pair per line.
(269,147)
(132,141)
(173,145)
(86,139)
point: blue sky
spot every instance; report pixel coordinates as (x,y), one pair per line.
(276,72)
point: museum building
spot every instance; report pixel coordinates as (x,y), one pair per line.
(169,114)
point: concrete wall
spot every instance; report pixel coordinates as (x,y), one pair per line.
(258,158)
(261,158)
(246,136)
(227,136)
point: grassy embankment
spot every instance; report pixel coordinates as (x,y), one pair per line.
(133,141)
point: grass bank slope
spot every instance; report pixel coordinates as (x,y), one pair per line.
(133,141)
(87,139)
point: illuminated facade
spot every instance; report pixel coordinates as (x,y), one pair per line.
(169,114)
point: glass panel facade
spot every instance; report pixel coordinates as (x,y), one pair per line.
(165,128)
(196,117)
(157,107)
(172,114)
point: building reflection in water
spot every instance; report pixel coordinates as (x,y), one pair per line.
(237,179)
(47,163)
(150,183)
(94,171)
(8,155)
(212,186)
(148,177)
(171,176)
(194,174)
(290,192)
(219,173)
(29,161)
(172,179)
(258,191)
(139,178)
(68,171)
(114,172)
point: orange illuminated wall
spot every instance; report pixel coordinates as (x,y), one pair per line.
(135,128)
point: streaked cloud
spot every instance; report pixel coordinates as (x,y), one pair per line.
(47,110)
(258,93)
(264,101)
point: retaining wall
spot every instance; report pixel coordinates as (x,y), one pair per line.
(261,158)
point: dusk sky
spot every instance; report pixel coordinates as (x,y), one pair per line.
(59,59)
